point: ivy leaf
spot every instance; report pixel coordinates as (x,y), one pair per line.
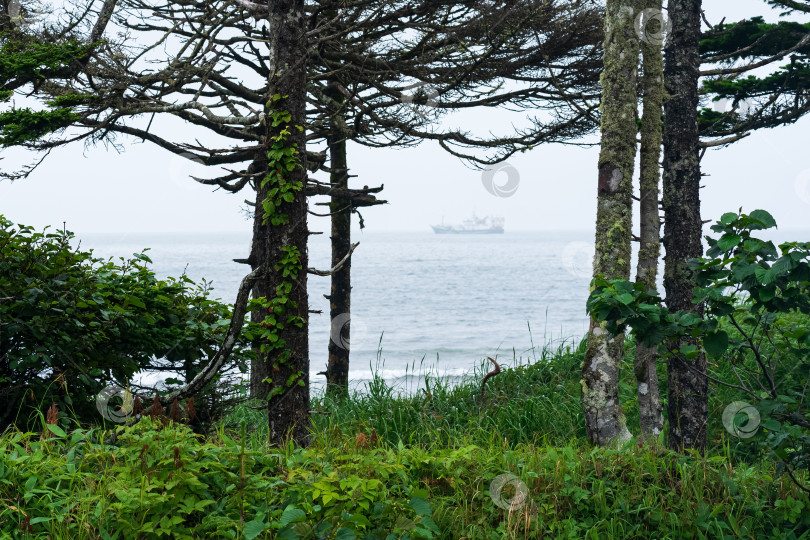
(135,301)
(291,515)
(345,534)
(254,528)
(742,270)
(420,506)
(728,218)
(716,343)
(729,241)
(289,533)
(782,266)
(766,294)
(404,524)
(625,298)
(689,319)
(771,425)
(764,275)
(765,218)
(429,524)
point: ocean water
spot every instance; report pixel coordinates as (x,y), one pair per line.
(425,302)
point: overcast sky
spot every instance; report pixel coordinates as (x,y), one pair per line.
(146,189)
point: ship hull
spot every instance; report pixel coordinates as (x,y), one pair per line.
(451,230)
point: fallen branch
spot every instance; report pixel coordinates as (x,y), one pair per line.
(218,360)
(489,375)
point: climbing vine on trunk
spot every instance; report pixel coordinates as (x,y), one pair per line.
(282,159)
(278,318)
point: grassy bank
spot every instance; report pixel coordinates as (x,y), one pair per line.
(386,466)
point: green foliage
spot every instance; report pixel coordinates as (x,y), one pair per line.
(19,126)
(157,482)
(752,40)
(516,405)
(282,159)
(71,323)
(25,61)
(165,482)
(72,100)
(31,60)
(423,468)
(268,332)
(281,189)
(756,299)
(740,273)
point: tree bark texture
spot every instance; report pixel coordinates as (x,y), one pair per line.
(651,416)
(687,407)
(337,370)
(604,419)
(281,376)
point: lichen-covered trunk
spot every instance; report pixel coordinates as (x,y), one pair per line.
(687,407)
(281,372)
(651,417)
(337,370)
(604,419)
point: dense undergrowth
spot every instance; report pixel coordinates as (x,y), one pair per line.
(383,465)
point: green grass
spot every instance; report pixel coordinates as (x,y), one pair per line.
(429,474)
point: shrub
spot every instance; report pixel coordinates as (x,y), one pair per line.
(72,323)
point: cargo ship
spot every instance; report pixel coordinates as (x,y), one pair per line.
(473,225)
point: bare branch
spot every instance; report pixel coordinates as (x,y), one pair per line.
(216,362)
(337,267)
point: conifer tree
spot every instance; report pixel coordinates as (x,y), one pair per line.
(362,62)
(652,88)
(605,422)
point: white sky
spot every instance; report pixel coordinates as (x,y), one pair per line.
(145,189)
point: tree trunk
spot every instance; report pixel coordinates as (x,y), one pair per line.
(652,82)
(687,408)
(604,419)
(337,370)
(281,371)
